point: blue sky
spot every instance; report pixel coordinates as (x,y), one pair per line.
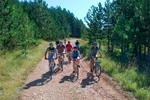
(78,7)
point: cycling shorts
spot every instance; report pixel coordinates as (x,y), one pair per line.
(51,57)
(76,58)
(94,55)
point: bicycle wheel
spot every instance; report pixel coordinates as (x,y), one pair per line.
(69,58)
(61,64)
(77,72)
(98,70)
(51,72)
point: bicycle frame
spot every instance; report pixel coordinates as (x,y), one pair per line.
(51,65)
(69,56)
(96,66)
(61,60)
(95,62)
(77,68)
(61,57)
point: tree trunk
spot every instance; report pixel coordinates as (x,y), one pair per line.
(145,51)
(134,51)
(140,52)
(127,46)
(148,58)
(121,59)
(137,57)
(99,45)
(112,46)
(108,41)
(124,54)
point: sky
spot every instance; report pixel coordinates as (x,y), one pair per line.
(78,7)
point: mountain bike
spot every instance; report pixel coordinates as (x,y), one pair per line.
(77,46)
(97,67)
(77,68)
(51,67)
(69,56)
(61,60)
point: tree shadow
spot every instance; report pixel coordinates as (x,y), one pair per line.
(39,82)
(89,80)
(70,78)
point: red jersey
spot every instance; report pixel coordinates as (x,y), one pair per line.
(68,47)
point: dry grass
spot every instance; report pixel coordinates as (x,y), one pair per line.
(14,69)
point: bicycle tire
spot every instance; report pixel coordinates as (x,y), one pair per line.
(69,58)
(93,67)
(51,72)
(61,64)
(77,72)
(98,70)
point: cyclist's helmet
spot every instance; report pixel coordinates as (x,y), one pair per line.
(75,47)
(51,44)
(61,42)
(94,43)
(77,40)
(57,39)
(68,41)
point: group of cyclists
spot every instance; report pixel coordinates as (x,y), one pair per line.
(54,53)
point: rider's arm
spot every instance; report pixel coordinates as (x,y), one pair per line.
(100,53)
(45,54)
(56,52)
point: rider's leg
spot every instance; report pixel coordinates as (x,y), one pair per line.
(73,66)
(63,56)
(66,53)
(59,59)
(54,62)
(78,61)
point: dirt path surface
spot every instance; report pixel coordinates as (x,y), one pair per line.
(65,86)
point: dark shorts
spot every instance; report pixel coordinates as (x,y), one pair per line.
(94,55)
(74,59)
(51,57)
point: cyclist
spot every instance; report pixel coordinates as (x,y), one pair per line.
(93,54)
(51,53)
(65,41)
(77,44)
(68,48)
(75,56)
(60,49)
(57,42)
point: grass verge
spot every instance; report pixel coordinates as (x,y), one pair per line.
(132,81)
(15,67)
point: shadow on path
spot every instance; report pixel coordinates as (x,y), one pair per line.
(91,79)
(70,78)
(39,82)
(57,71)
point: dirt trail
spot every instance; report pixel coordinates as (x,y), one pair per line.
(65,86)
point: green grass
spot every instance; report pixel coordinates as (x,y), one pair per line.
(128,77)
(15,67)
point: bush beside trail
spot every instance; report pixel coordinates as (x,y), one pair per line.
(130,79)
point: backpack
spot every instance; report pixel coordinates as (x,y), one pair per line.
(75,52)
